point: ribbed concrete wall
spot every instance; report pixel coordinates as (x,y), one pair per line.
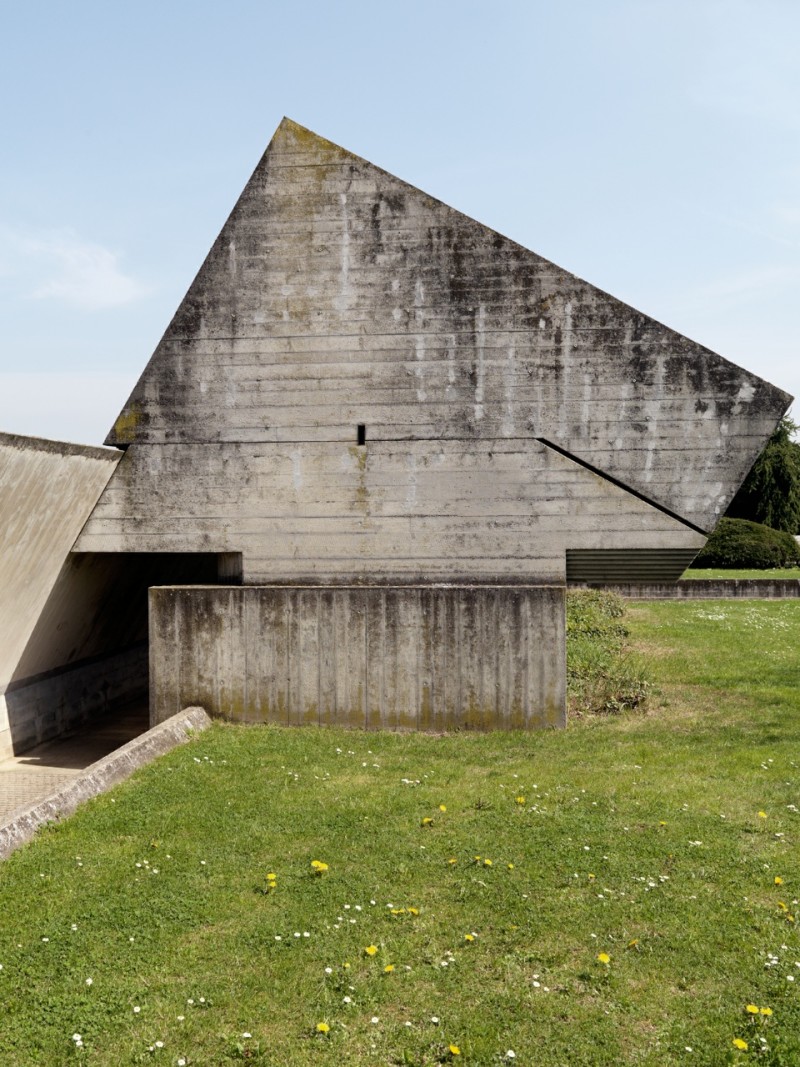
(426,658)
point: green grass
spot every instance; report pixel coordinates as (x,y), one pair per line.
(639,836)
(602,676)
(718,572)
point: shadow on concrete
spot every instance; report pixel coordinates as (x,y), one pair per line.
(90,743)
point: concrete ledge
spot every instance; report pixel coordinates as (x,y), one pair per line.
(59,448)
(21,825)
(704,589)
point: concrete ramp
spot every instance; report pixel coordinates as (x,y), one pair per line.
(47,490)
(48,798)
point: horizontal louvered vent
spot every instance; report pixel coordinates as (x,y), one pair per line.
(616,565)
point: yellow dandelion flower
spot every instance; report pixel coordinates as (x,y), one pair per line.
(319,866)
(520,800)
(751,1009)
(766,1011)
(388,968)
(487,863)
(426,821)
(778,880)
(454,1050)
(442,807)
(413,911)
(469,937)
(790,918)
(370,950)
(452,861)
(782,906)
(271,877)
(591,877)
(510,866)
(603,957)
(477,859)
(762,815)
(738,1043)
(662,823)
(346,966)
(634,943)
(323,1028)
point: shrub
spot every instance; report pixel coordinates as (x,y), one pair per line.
(741,543)
(602,676)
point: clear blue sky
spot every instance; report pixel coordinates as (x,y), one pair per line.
(650,146)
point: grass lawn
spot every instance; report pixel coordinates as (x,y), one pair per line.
(718,572)
(618,893)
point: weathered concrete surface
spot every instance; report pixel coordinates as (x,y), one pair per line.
(47,490)
(365,387)
(447,510)
(426,658)
(708,589)
(21,825)
(338,295)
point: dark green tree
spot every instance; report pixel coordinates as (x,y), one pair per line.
(770,494)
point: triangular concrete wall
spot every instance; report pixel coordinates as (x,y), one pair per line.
(337,294)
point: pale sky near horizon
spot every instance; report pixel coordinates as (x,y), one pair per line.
(649,146)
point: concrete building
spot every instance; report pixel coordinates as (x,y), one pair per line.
(373,446)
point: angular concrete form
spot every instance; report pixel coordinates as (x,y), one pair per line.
(364,387)
(73,626)
(337,295)
(47,491)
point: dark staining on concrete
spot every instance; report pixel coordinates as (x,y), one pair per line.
(338,295)
(642,370)
(724,406)
(377,235)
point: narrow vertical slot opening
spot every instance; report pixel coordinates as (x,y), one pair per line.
(361,434)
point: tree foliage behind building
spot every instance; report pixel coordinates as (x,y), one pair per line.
(770,494)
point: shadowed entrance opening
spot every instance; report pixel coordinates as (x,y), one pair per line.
(87,658)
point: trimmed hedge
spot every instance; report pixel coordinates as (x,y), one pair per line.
(741,543)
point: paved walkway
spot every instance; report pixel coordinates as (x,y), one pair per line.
(40,771)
